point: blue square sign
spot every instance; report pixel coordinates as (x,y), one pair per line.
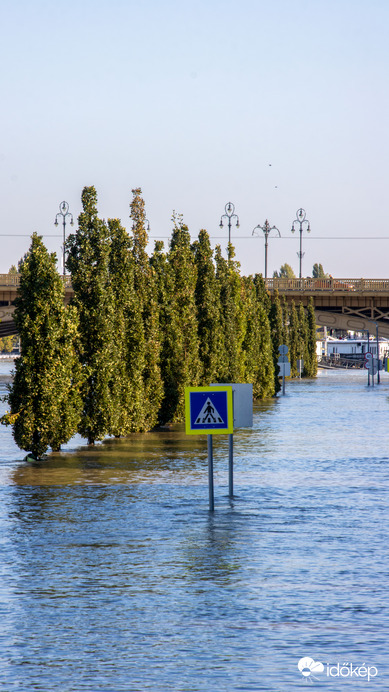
(208,410)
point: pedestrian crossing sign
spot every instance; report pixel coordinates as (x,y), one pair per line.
(208,411)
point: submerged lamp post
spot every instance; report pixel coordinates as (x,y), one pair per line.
(303,223)
(266,228)
(229,214)
(64,212)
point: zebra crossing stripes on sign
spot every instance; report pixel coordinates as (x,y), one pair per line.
(208,411)
(209,414)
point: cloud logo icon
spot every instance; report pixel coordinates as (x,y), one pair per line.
(307,666)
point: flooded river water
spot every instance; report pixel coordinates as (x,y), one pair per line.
(115,577)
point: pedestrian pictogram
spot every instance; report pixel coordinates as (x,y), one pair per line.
(209,414)
(208,410)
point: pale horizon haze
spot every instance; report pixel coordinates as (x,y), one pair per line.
(272,106)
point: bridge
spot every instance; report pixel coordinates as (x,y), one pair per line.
(9,285)
(350,304)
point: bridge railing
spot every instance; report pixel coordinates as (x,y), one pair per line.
(14,280)
(283,285)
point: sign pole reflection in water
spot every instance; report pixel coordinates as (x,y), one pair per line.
(230,465)
(210,473)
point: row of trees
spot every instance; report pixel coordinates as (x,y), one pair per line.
(139,330)
(286,272)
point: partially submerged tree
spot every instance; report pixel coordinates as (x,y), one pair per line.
(89,264)
(180,362)
(45,403)
(207,300)
(276,332)
(129,410)
(232,314)
(145,287)
(257,343)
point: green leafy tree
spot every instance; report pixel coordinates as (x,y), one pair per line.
(294,339)
(89,264)
(318,272)
(207,300)
(303,338)
(7,344)
(285,272)
(277,337)
(129,414)
(233,316)
(146,289)
(180,362)
(257,344)
(311,339)
(285,321)
(45,403)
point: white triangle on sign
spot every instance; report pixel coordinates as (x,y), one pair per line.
(208,414)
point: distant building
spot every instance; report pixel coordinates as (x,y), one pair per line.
(354,348)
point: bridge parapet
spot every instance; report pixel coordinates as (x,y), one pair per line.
(310,284)
(14,280)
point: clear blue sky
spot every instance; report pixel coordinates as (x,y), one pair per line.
(191,101)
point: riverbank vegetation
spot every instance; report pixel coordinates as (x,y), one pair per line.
(139,330)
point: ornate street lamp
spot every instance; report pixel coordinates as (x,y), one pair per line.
(64,212)
(266,228)
(303,223)
(229,214)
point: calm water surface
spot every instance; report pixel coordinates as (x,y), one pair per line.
(114,575)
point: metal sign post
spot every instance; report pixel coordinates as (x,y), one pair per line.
(283,364)
(209,411)
(368,359)
(230,466)
(210,473)
(242,404)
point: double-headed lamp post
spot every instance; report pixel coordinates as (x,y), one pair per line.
(230,215)
(64,212)
(266,228)
(303,223)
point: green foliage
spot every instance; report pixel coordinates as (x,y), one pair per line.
(303,338)
(294,339)
(311,340)
(89,263)
(233,317)
(180,362)
(285,272)
(285,321)
(44,398)
(140,330)
(207,298)
(146,290)
(318,272)
(277,336)
(257,343)
(8,343)
(128,392)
